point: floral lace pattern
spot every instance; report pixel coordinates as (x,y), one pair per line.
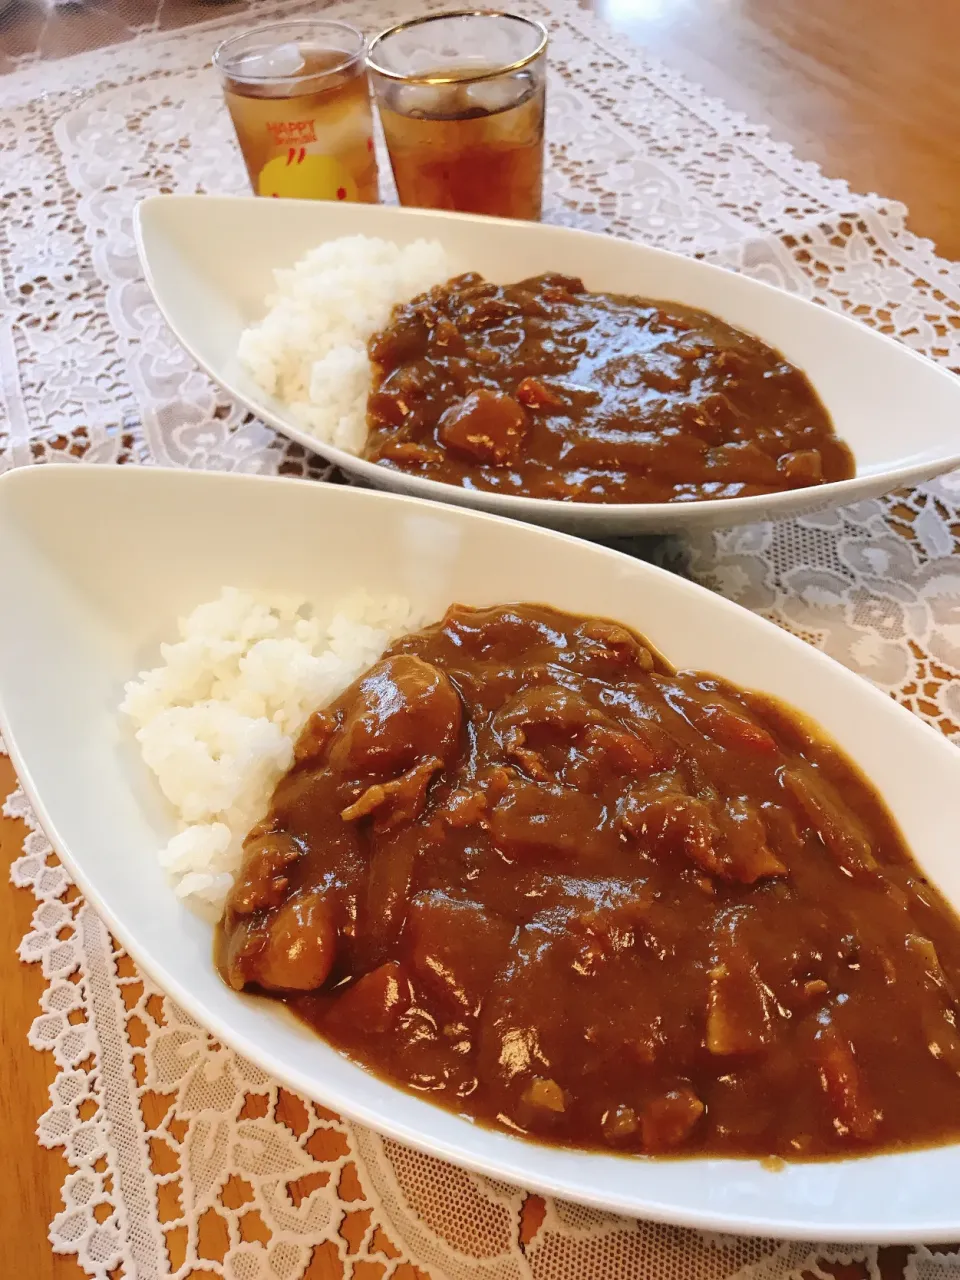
(182,1155)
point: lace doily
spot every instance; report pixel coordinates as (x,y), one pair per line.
(183,1156)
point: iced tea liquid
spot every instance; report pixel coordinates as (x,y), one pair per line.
(476,147)
(309,134)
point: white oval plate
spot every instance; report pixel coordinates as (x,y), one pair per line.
(210,260)
(98,564)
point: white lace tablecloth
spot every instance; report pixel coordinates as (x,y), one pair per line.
(195,1158)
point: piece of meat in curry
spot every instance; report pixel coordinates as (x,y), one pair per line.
(546,390)
(524,868)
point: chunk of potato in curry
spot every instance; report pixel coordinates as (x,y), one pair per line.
(524,868)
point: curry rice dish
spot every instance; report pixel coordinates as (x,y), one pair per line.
(524,868)
(539,389)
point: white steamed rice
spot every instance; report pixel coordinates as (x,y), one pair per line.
(218,720)
(310,349)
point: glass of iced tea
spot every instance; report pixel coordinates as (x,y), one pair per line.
(461,97)
(300,103)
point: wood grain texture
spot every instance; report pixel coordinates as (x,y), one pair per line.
(866,88)
(33,1176)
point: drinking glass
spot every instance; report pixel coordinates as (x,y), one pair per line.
(461,97)
(300,102)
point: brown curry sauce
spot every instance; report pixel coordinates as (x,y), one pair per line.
(543,389)
(524,868)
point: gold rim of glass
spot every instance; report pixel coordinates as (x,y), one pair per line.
(461,77)
(223,50)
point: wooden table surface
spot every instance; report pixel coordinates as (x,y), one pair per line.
(866,88)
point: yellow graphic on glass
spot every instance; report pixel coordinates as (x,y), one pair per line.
(302,175)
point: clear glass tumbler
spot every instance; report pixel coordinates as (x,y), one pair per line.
(461,97)
(300,102)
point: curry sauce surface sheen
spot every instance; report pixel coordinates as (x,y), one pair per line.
(525,869)
(544,389)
